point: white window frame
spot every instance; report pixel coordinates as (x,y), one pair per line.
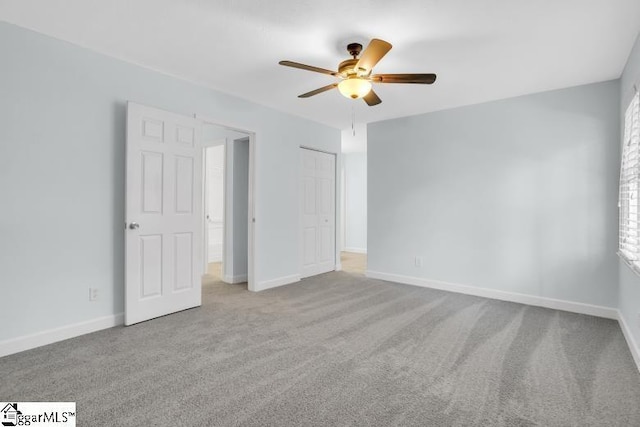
(629,191)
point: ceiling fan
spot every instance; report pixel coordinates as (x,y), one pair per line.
(355,74)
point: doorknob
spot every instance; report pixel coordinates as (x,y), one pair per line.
(134,226)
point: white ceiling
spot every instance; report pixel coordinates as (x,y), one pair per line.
(482,50)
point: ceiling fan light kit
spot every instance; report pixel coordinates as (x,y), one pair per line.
(354,87)
(355,74)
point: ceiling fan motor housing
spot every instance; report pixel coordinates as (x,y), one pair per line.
(347,68)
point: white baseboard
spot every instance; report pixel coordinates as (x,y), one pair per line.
(557,304)
(280,281)
(355,250)
(242,278)
(631,342)
(27,342)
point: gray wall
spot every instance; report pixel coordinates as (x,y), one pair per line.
(62,141)
(629,302)
(518,195)
(355,177)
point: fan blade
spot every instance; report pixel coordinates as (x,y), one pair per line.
(308,67)
(317,91)
(372,99)
(372,55)
(404,78)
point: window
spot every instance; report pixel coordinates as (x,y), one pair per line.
(629,237)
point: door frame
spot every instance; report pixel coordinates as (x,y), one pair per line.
(251,218)
(336,229)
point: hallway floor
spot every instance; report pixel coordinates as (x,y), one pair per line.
(353,262)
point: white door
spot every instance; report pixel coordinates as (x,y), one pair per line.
(215,201)
(318,212)
(163,242)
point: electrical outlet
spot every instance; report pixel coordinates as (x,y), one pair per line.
(419,261)
(94,294)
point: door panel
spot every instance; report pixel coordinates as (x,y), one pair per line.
(183,247)
(317,212)
(151,266)
(309,248)
(325,253)
(309,195)
(326,204)
(164,199)
(216,235)
(151,182)
(184,185)
(185,136)
(152,129)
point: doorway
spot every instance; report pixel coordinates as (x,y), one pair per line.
(228,242)
(353,168)
(214,203)
(354,213)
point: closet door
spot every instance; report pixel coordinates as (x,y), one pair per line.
(318,212)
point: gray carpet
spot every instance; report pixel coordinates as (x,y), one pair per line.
(340,350)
